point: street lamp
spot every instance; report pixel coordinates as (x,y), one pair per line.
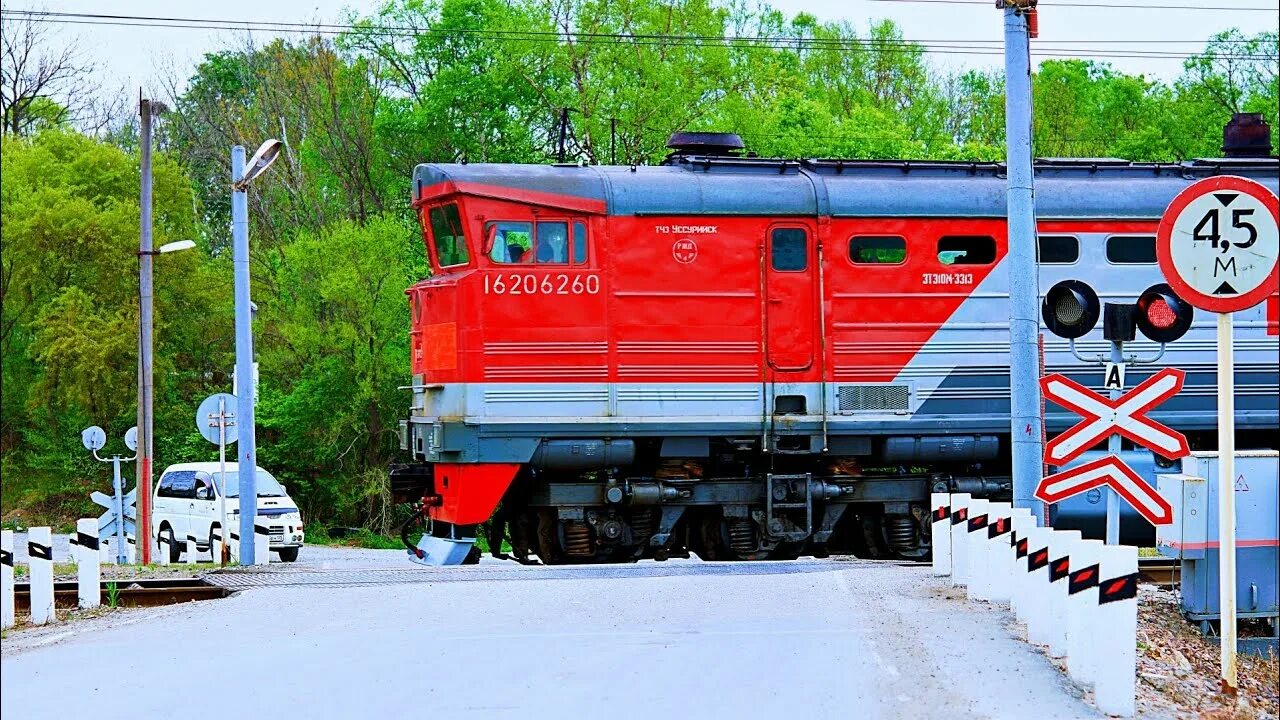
(247,471)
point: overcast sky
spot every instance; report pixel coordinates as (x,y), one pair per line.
(130,57)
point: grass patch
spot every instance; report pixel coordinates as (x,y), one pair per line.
(358,538)
(1148,552)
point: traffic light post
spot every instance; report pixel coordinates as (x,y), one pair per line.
(1070,310)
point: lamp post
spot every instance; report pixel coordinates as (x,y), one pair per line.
(146,108)
(247,473)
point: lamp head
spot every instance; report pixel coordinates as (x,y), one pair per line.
(258,164)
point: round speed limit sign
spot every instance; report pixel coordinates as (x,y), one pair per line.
(1218,243)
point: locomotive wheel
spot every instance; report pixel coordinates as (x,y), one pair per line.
(549,538)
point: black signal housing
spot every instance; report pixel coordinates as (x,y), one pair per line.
(1070,309)
(1162,316)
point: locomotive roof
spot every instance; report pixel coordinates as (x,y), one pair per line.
(694,185)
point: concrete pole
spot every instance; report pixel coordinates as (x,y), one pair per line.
(247,446)
(1024,282)
(145,255)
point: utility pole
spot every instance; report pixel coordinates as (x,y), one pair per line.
(1024,282)
(145,387)
(247,473)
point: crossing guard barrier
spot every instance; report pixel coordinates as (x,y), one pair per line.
(1077,597)
(88,563)
(261,545)
(40,559)
(191,549)
(941,504)
(6,579)
(959,543)
(976,541)
(1060,546)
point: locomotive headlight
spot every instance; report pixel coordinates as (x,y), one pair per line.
(1163,316)
(1070,309)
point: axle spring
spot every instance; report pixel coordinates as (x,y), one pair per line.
(577,539)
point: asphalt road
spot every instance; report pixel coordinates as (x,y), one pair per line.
(682,639)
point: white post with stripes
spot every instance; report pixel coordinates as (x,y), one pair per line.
(959,542)
(998,530)
(161,553)
(191,549)
(88,568)
(1016,560)
(1082,604)
(1031,607)
(40,554)
(941,542)
(261,545)
(6,579)
(233,539)
(1061,546)
(215,545)
(1116,629)
(976,537)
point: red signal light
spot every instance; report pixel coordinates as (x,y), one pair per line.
(1162,316)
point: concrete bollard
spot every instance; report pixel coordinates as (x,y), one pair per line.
(104,550)
(88,568)
(1116,627)
(215,545)
(162,549)
(261,545)
(234,542)
(191,550)
(40,554)
(1031,603)
(1016,560)
(130,550)
(959,543)
(998,528)
(1082,602)
(977,551)
(941,503)
(6,579)
(1061,545)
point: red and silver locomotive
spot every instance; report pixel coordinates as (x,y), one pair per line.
(747,358)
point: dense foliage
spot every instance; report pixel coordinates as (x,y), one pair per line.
(335,243)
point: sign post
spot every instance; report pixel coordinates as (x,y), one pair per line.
(217,425)
(1217,245)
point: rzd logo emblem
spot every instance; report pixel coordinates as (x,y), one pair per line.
(684,250)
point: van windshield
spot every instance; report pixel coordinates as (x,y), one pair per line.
(267,485)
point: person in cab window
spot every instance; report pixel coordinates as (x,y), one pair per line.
(553,243)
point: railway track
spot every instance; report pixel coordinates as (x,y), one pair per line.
(1158,571)
(129,593)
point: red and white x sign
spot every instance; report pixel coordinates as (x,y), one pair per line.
(1112,472)
(1125,415)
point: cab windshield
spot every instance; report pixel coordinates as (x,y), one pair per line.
(267,485)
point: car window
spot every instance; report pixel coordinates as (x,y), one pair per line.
(178,484)
(1057,249)
(268,486)
(790,250)
(877,249)
(1131,249)
(967,250)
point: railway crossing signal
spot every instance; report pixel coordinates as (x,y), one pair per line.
(1125,415)
(1108,471)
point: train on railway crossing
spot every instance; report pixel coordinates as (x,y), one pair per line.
(751,358)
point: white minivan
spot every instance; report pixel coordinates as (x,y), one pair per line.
(188,502)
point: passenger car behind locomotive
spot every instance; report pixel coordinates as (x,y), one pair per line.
(750,358)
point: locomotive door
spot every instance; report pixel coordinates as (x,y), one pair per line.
(790,272)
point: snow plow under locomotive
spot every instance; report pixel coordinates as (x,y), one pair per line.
(752,358)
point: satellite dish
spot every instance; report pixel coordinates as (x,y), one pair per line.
(93,438)
(131,438)
(208,413)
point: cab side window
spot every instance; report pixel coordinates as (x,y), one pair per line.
(546,242)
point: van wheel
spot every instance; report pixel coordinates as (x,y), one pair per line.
(288,554)
(175,553)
